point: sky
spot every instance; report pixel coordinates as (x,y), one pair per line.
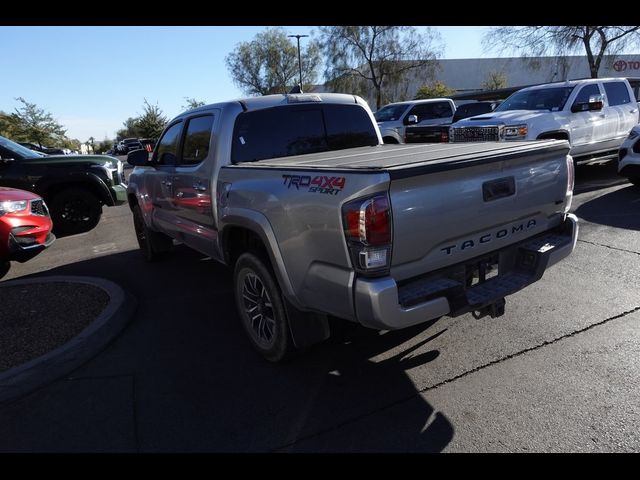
(91,79)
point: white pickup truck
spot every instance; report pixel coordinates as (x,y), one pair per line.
(594,115)
(394,118)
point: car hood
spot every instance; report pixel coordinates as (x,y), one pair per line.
(510,117)
(76,160)
(13,194)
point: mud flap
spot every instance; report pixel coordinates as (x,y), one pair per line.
(306,328)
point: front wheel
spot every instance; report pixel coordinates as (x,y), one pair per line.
(153,245)
(261,310)
(75,210)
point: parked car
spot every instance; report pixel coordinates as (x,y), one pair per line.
(315,217)
(25,227)
(128,145)
(74,186)
(629,156)
(148,144)
(594,115)
(394,118)
(47,150)
(440,133)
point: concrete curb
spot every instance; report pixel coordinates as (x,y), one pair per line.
(41,371)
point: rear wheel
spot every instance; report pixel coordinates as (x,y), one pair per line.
(75,210)
(153,245)
(4,268)
(261,310)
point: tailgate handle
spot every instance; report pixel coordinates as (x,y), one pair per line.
(500,188)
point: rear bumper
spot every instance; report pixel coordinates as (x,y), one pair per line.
(381,303)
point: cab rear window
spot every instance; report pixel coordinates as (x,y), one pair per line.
(300,129)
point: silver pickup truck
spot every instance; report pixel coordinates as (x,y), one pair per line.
(316,217)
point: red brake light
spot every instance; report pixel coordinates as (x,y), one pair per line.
(377,220)
(367,226)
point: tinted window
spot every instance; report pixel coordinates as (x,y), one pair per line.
(552,99)
(12,150)
(429,111)
(300,129)
(197,139)
(390,113)
(617,93)
(348,127)
(586,92)
(471,110)
(167,150)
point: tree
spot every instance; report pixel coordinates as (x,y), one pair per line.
(495,81)
(130,129)
(434,90)
(33,124)
(269,63)
(192,103)
(595,41)
(359,58)
(9,127)
(147,125)
(152,121)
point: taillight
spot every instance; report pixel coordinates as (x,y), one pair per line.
(444,136)
(367,226)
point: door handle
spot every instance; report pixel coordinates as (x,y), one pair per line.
(199,188)
(167,183)
(633,111)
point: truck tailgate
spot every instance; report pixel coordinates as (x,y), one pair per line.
(454,209)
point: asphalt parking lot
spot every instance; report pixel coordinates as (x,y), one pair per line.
(559,372)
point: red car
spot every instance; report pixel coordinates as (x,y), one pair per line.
(25,226)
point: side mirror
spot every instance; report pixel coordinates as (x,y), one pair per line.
(138,158)
(412,119)
(595,104)
(5,160)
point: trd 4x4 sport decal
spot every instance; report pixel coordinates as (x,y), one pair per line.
(318,184)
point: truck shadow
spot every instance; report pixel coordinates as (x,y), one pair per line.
(596,177)
(616,209)
(200,387)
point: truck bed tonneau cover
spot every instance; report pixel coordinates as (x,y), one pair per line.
(395,158)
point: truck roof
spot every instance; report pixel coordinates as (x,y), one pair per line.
(267,101)
(571,83)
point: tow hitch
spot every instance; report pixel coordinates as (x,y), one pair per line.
(494,310)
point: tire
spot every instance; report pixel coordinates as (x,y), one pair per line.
(75,210)
(4,268)
(256,291)
(389,140)
(153,245)
(635,181)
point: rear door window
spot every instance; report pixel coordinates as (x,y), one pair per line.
(617,93)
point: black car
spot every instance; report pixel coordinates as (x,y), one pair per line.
(38,148)
(128,145)
(75,187)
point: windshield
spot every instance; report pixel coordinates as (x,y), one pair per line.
(19,150)
(390,113)
(552,99)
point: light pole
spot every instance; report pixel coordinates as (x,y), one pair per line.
(299,60)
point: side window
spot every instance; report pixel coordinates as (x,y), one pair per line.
(586,92)
(429,111)
(167,148)
(197,140)
(617,93)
